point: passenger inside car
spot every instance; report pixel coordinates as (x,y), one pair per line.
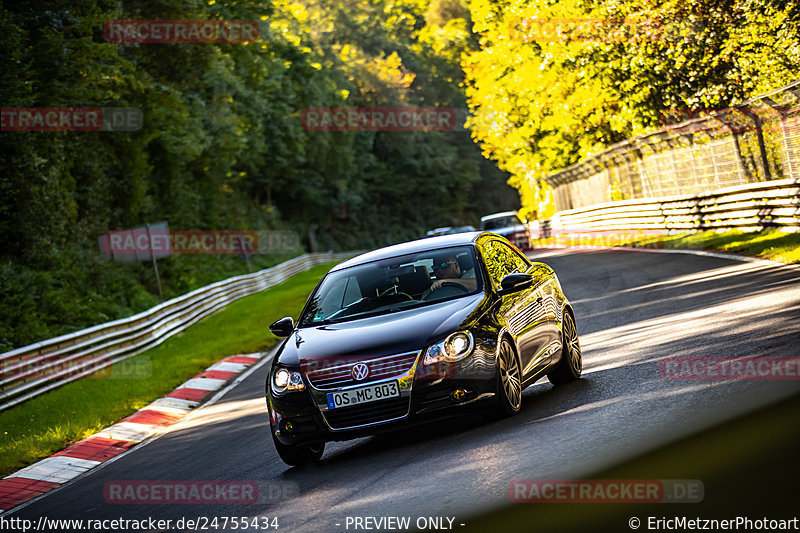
(454,269)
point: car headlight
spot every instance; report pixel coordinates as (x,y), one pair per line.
(284,380)
(454,348)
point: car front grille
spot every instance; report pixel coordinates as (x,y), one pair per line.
(370,413)
(339,374)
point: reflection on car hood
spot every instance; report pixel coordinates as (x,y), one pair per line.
(392,333)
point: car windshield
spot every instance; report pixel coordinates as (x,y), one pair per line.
(395,284)
(500,222)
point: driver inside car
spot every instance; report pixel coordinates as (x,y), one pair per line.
(448,270)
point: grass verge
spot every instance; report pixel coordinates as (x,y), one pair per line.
(768,244)
(48,423)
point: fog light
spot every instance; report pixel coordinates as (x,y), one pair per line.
(287,426)
(458,395)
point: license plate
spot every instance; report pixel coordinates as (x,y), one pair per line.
(370,393)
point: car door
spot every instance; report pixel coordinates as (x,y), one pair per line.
(523,312)
(547,325)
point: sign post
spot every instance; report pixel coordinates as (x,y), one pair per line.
(155,263)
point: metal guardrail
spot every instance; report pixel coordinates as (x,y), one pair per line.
(32,370)
(755,206)
(751,142)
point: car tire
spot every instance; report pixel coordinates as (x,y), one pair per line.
(571,364)
(509,381)
(299,455)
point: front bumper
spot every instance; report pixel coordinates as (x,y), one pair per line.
(426,392)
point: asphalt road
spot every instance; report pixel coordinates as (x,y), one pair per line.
(632,309)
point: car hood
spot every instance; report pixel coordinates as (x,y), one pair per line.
(392,333)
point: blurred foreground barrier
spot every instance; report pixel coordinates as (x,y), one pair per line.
(32,370)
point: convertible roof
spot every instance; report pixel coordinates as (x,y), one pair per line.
(410,247)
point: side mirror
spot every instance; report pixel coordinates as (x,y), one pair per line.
(514,283)
(282,327)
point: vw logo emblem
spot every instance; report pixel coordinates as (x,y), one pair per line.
(360,371)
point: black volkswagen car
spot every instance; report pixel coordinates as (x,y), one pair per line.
(417,330)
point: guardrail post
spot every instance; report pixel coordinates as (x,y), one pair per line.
(786,144)
(740,162)
(762,149)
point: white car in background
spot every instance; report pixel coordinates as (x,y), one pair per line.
(438,231)
(509,225)
(448,230)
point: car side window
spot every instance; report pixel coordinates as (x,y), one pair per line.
(520,263)
(502,260)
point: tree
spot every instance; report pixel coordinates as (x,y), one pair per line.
(555,82)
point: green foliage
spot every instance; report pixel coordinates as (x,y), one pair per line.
(772,244)
(557,81)
(222,146)
(47,423)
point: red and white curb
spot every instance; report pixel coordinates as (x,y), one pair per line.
(52,472)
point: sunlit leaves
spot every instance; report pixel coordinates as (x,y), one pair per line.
(223,146)
(556,81)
